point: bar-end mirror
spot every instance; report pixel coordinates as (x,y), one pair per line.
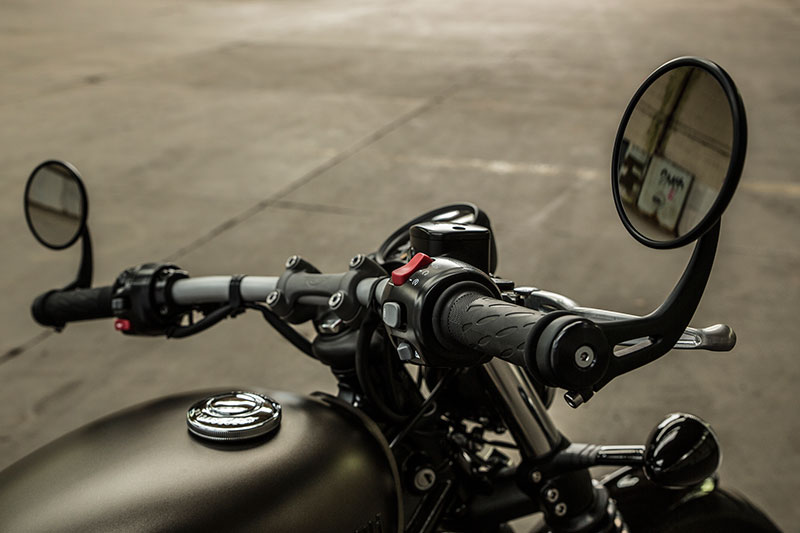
(679,153)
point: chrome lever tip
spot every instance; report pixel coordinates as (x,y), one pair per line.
(718,338)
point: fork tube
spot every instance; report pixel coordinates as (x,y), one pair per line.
(523,411)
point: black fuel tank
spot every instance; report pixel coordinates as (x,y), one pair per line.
(326,469)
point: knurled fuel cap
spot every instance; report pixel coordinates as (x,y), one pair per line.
(233,416)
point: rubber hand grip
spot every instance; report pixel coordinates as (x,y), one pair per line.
(490,326)
(56,308)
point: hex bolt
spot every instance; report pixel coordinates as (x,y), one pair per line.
(336,299)
(273,298)
(536,476)
(584,356)
(424,479)
(561,509)
(356,261)
(551,495)
(292,261)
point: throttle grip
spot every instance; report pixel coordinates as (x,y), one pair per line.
(56,308)
(490,326)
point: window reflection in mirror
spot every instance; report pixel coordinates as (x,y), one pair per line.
(55,205)
(675,153)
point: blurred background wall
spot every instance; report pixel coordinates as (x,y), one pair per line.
(227,135)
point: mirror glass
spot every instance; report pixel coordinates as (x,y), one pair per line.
(675,153)
(55,204)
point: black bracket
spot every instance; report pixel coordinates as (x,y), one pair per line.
(664,326)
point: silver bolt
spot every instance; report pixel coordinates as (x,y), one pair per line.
(273,297)
(356,261)
(584,357)
(536,476)
(561,509)
(336,300)
(292,261)
(551,495)
(424,479)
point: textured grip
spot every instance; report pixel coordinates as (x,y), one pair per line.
(56,308)
(490,326)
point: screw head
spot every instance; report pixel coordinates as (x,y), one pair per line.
(292,261)
(356,261)
(584,356)
(536,476)
(273,297)
(551,495)
(336,299)
(561,509)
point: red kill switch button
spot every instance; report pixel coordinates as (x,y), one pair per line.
(401,275)
(122,324)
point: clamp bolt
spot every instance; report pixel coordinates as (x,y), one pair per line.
(356,261)
(561,509)
(551,495)
(336,299)
(292,261)
(536,476)
(273,298)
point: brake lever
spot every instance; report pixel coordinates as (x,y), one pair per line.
(716,338)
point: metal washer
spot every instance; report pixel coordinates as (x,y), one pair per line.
(234,416)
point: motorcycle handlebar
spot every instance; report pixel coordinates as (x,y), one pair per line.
(215,289)
(56,308)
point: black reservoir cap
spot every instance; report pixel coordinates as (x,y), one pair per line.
(465,242)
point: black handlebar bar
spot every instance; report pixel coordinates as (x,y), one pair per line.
(56,308)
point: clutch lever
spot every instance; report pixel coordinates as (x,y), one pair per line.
(716,338)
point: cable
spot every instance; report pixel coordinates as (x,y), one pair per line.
(365,333)
(424,407)
(288,332)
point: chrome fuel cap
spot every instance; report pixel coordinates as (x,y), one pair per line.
(235,415)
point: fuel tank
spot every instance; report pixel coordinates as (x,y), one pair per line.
(325,468)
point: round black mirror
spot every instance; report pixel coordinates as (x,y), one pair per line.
(679,152)
(55,204)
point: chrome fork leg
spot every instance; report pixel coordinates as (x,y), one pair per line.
(524,412)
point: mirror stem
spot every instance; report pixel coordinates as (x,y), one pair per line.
(86,268)
(665,325)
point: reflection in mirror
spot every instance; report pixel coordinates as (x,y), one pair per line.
(675,153)
(55,205)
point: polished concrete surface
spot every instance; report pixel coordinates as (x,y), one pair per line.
(228,135)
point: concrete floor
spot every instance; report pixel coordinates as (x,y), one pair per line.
(228,135)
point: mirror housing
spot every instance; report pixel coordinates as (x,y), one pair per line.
(56,210)
(56,206)
(679,153)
